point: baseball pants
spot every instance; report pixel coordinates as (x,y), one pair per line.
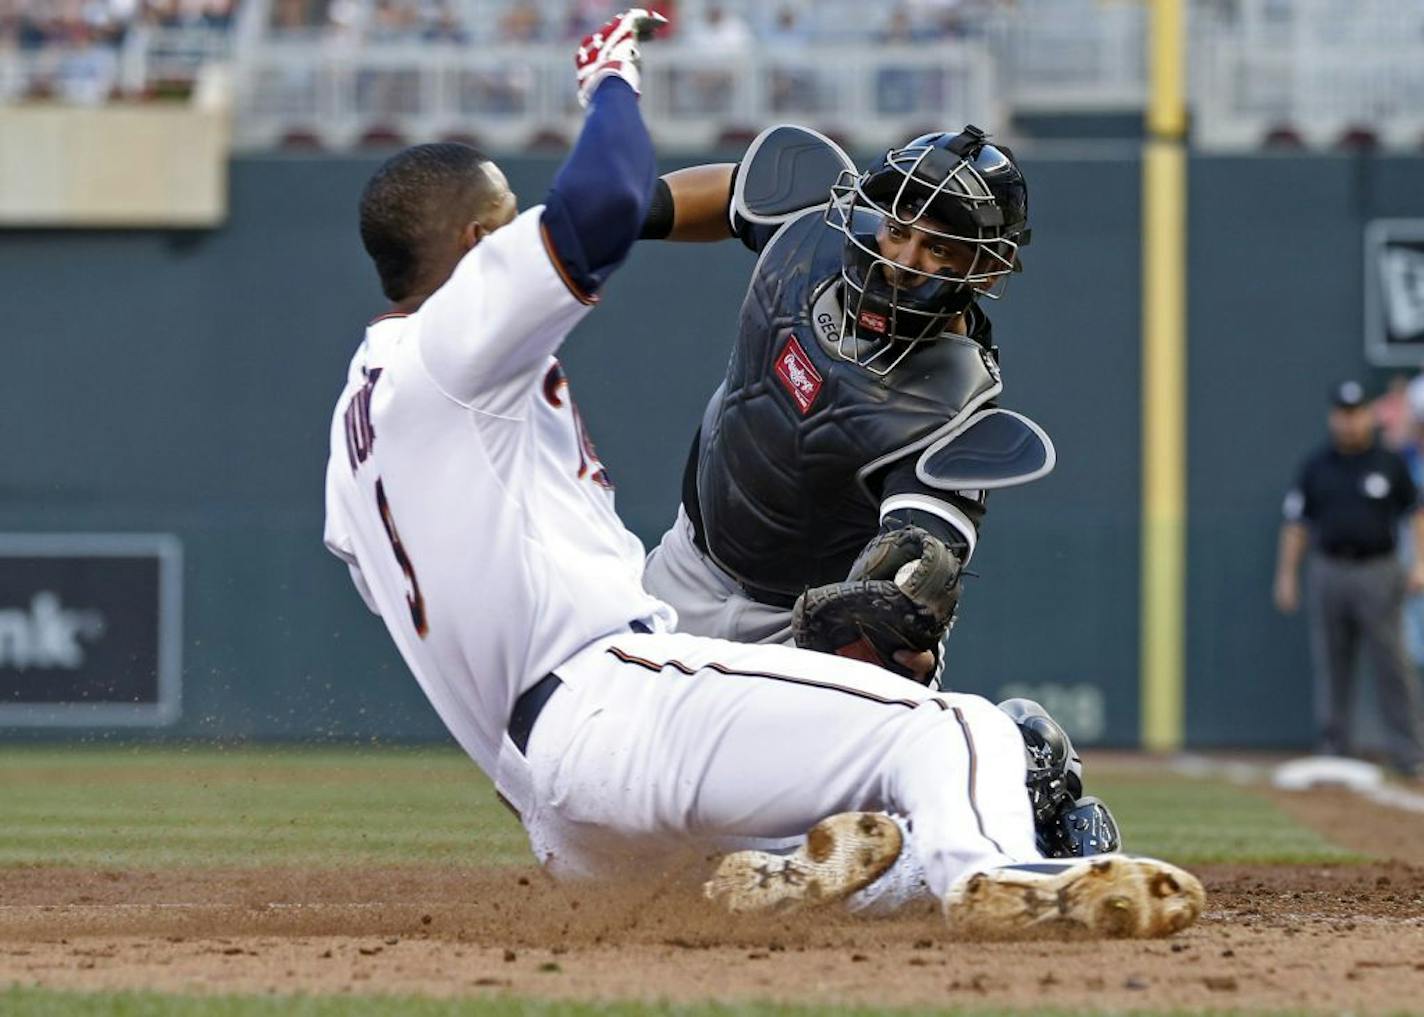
(707,600)
(658,747)
(1354,605)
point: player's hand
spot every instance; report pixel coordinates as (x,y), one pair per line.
(613,50)
(1287,594)
(1416,578)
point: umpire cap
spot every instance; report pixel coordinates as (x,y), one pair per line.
(1348,395)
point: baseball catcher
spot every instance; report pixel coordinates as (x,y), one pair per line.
(834,492)
(856,432)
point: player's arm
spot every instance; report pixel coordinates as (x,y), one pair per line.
(691,205)
(952,517)
(600,194)
(515,296)
(786,171)
(1290,548)
(695,205)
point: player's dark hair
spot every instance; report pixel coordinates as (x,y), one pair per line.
(412,200)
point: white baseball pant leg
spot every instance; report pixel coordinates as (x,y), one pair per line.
(663,744)
(710,603)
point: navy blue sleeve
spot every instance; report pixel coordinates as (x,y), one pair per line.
(953,516)
(600,195)
(1299,506)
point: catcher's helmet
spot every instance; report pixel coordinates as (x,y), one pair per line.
(955,188)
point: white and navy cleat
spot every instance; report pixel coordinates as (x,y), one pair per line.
(842,854)
(1109,896)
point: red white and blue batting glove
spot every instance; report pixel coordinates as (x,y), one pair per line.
(613,50)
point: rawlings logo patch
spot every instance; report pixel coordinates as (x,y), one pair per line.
(874,322)
(797,374)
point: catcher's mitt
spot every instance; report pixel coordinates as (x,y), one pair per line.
(900,595)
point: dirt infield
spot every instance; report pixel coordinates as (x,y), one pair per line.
(1346,937)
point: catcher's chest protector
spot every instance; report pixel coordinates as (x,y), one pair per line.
(793,430)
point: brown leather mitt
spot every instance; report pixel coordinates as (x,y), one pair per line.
(901,594)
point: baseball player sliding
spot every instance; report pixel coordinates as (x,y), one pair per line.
(465,496)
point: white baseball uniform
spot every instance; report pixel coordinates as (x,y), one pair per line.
(478,522)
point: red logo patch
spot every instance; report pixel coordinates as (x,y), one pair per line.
(874,322)
(797,374)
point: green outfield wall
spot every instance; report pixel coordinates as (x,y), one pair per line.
(181,383)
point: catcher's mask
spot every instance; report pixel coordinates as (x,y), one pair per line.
(957,192)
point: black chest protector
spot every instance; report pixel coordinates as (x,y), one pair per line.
(791,442)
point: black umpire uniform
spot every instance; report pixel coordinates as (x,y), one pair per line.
(1348,502)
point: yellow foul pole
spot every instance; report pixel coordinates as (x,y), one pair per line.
(1164,382)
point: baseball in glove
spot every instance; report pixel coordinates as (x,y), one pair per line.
(900,595)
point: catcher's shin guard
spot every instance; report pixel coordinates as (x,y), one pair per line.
(1109,896)
(842,854)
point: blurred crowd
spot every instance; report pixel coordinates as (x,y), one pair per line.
(711,23)
(29,25)
(72,50)
(1399,414)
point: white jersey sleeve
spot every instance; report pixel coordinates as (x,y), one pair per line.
(500,316)
(339,543)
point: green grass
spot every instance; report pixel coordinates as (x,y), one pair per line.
(47,1003)
(1192,821)
(162,807)
(148,807)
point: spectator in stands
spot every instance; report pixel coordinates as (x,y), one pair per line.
(88,71)
(793,85)
(786,31)
(953,19)
(218,14)
(444,25)
(522,22)
(720,29)
(899,28)
(395,21)
(704,89)
(583,16)
(297,15)
(1411,449)
(1393,415)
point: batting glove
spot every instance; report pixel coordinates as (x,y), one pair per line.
(613,50)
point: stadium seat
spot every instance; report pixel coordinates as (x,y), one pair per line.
(735,137)
(462,138)
(381,136)
(547,141)
(1357,139)
(299,139)
(1283,137)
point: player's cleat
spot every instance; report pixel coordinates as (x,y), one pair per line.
(842,854)
(1113,896)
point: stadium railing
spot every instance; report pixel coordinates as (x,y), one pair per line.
(521,96)
(1303,73)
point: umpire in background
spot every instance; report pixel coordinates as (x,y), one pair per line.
(1348,502)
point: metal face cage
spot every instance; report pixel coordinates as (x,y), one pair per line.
(889,308)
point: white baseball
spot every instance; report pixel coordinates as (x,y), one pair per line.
(902,577)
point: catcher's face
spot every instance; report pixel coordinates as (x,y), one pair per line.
(922,250)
